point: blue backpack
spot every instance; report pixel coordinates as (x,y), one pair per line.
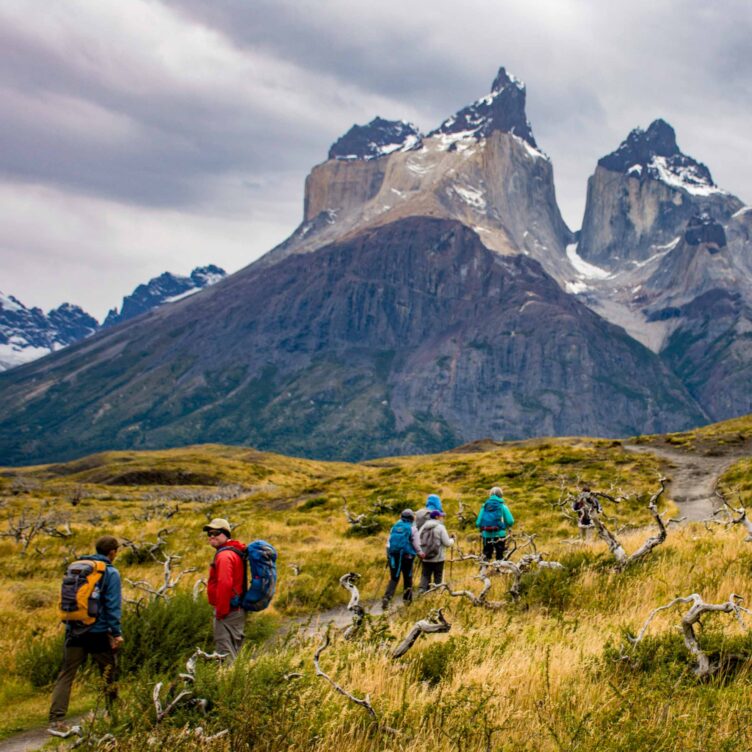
(493,518)
(261,557)
(400,538)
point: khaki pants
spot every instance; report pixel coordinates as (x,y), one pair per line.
(77,649)
(229,633)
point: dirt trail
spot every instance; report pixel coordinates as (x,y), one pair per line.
(692,477)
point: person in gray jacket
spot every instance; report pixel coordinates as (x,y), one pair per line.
(434,539)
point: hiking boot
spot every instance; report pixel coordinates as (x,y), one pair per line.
(59,728)
(384,604)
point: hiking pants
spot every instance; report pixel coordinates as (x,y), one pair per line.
(431,569)
(491,545)
(75,652)
(229,633)
(397,566)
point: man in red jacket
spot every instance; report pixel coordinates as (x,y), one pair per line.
(226,581)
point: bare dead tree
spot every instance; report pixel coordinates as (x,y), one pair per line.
(169,582)
(433,623)
(348,581)
(697,610)
(201,582)
(190,664)
(161,711)
(735,515)
(353,519)
(142,550)
(465,517)
(364,703)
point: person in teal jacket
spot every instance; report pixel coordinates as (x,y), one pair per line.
(494,519)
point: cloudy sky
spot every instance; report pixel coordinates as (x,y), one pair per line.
(139,136)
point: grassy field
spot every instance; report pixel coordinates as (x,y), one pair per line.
(548,671)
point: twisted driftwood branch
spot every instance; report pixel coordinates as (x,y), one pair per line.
(161,711)
(740,512)
(699,607)
(364,703)
(190,664)
(434,622)
(348,582)
(624,560)
(169,582)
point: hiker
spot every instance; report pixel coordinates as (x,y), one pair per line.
(584,506)
(433,504)
(493,521)
(434,540)
(402,547)
(91,630)
(226,582)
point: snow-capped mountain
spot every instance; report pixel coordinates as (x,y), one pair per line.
(642,196)
(28,333)
(501,110)
(166,288)
(377,139)
(481,166)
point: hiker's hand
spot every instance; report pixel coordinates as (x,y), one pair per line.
(421,555)
(116,642)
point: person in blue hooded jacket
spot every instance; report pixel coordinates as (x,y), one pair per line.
(494,519)
(101,640)
(433,504)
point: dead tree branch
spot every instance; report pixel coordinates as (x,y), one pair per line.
(348,582)
(736,515)
(142,551)
(434,622)
(163,712)
(169,582)
(624,560)
(364,703)
(699,607)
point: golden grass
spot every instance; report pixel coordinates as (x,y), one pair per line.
(536,669)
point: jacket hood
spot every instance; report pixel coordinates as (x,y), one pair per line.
(431,524)
(433,502)
(99,557)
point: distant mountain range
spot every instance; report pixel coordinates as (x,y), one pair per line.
(28,333)
(433,295)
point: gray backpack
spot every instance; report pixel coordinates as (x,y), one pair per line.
(430,541)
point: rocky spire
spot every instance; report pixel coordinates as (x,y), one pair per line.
(654,153)
(501,110)
(376,139)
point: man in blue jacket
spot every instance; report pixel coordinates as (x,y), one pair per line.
(101,640)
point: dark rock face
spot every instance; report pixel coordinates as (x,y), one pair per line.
(502,110)
(711,352)
(642,196)
(377,139)
(703,229)
(162,289)
(411,337)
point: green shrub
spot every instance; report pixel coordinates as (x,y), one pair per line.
(319,501)
(40,659)
(162,634)
(550,588)
(367,527)
(438,661)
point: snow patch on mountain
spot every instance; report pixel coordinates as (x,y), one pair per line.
(582,267)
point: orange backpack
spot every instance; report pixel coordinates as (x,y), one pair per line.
(79,595)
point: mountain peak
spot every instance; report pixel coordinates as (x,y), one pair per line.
(504,79)
(501,110)
(376,139)
(654,153)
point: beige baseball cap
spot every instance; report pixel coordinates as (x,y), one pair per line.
(218,524)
